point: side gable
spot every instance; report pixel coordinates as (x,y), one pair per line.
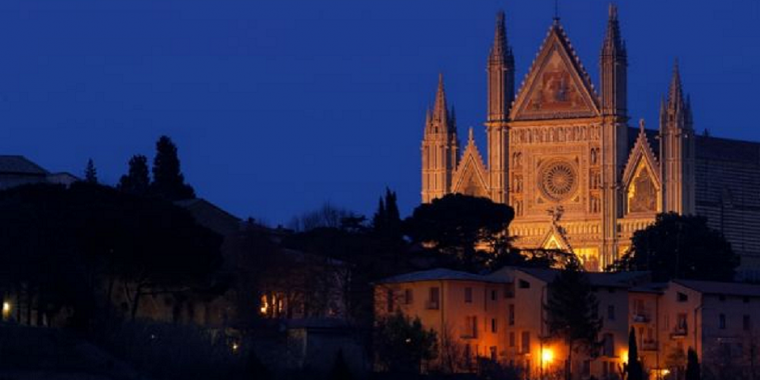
(470,177)
(641,178)
(557,85)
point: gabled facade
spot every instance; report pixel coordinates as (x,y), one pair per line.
(562,153)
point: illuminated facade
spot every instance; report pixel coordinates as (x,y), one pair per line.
(562,153)
(501,317)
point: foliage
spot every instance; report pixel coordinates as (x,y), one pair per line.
(387,220)
(137,180)
(68,247)
(692,366)
(176,351)
(572,311)
(340,370)
(402,344)
(489,369)
(677,246)
(327,216)
(90,173)
(455,224)
(633,368)
(168,181)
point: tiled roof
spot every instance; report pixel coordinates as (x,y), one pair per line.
(727,288)
(20,165)
(440,274)
(613,280)
(211,216)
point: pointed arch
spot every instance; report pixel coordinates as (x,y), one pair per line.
(470,176)
(556,84)
(641,179)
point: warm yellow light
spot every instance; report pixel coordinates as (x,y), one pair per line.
(547,355)
(264,305)
(624,356)
(235,347)
(6,307)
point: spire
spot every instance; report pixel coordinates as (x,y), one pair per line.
(470,136)
(675,95)
(500,51)
(613,41)
(440,119)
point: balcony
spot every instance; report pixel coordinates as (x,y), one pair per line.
(679,332)
(432,305)
(649,345)
(641,318)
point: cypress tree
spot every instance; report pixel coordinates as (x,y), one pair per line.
(693,371)
(137,180)
(634,368)
(168,181)
(90,173)
(379,219)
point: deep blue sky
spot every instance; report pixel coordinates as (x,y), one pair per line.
(279,106)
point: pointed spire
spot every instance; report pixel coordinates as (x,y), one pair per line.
(613,40)
(470,137)
(440,110)
(500,50)
(675,94)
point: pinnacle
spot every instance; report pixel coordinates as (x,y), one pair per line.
(500,49)
(675,94)
(613,41)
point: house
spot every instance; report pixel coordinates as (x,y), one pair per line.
(501,316)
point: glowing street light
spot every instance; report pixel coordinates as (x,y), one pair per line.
(547,355)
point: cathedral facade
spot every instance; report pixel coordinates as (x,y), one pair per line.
(579,174)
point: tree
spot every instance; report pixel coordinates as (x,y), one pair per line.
(633,368)
(693,371)
(168,181)
(677,246)
(90,173)
(402,344)
(137,180)
(572,312)
(456,224)
(340,370)
(71,246)
(387,220)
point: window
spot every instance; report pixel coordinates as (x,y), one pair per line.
(389,299)
(509,290)
(492,349)
(609,345)
(525,347)
(524,284)
(434,298)
(408,296)
(722,321)
(511,314)
(681,325)
(493,325)
(467,295)
(681,297)
(493,294)
(586,368)
(511,339)
(746,323)
(470,330)
(611,312)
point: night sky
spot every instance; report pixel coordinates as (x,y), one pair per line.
(279,106)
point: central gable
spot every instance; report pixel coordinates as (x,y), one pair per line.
(556,86)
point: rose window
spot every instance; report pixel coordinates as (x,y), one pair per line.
(558,180)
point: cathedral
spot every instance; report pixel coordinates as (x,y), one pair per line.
(579,173)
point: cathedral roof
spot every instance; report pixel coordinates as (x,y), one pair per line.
(557,84)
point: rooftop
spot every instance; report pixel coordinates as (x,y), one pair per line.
(441,274)
(727,288)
